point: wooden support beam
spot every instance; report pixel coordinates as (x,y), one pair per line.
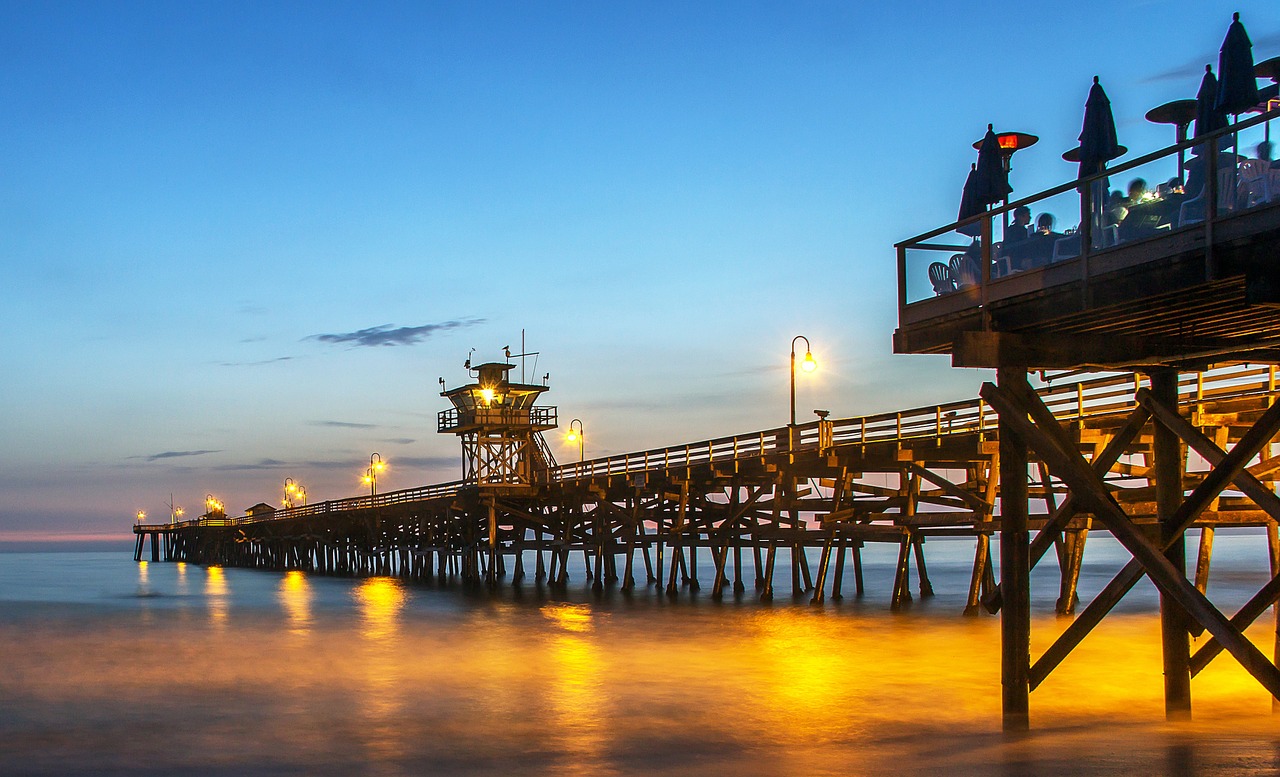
(1148,558)
(1060,350)
(1015,562)
(1168,466)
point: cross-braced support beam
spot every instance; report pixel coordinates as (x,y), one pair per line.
(1024,415)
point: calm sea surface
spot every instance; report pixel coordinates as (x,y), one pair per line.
(116,667)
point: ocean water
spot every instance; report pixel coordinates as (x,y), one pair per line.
(116,667)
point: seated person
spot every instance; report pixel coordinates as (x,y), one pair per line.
(1137,191)
(1020,229)
(1042,240)
(1264,153)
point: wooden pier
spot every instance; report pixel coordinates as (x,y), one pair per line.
(1180,435)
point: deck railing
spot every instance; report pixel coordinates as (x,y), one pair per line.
(979,277)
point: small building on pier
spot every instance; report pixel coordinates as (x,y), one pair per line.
(501,430)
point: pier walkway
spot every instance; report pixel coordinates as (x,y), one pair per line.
(832,485)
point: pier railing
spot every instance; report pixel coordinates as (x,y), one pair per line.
(1090,399)
(1069,398)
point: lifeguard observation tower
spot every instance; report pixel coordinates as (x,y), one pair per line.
(503,450)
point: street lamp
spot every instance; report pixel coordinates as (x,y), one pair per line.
(576,436)
(807,364)
(212,506)
(141,514)
(290,488)
(302,494)
(371,475)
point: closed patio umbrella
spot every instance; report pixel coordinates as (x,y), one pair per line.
(1098,145)
(992,181)
(970,205)
(1208,116)
(1237,84)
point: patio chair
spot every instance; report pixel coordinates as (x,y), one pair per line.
(1254,187)
(940,277)
(1192,211)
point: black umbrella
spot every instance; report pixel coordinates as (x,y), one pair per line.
(970,205)
(1208,116)
(1098,143)
(1237,85)
(992,180)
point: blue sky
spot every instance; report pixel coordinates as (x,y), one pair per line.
(193,195)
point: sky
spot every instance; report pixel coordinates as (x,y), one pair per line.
(242,241)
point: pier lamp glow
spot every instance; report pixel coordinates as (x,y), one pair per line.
(576,436)
(302,495)
(212,506)
(807,364)
(376,465)
(290,488)
(141,515)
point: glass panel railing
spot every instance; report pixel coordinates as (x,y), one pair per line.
(1179,187)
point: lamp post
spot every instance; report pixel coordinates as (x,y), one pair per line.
(141,515)
(302,494)
(290,488)
(211,506)
(371,475)
(576,436)
(807,364)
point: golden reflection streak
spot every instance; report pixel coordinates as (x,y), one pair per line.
(295,597)
(143,573)
(579,706)
(215,591)
(381,600)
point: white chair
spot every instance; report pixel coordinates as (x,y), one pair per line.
(1192,211)
(1254,185)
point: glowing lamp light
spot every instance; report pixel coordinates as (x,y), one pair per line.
(572,436)
(487,395)
(808,363)
(141,515)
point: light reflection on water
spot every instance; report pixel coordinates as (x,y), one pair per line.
(215,591)
(381,601)
(311,674)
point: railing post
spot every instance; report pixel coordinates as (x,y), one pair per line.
(902,280)
(1210,206)
(985,272)
(1086,240)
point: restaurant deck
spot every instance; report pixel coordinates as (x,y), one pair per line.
(1183,295)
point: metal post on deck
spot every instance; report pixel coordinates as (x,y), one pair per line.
(1015,566)
(1174,621)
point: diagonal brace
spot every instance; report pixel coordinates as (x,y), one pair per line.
(1245,481)
(1058,521)
(1089,488)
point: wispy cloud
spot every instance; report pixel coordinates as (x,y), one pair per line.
(260,464)
(276,360)
(401,441)
(172,455)
(1193,69)
(390,334)
(343,424)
